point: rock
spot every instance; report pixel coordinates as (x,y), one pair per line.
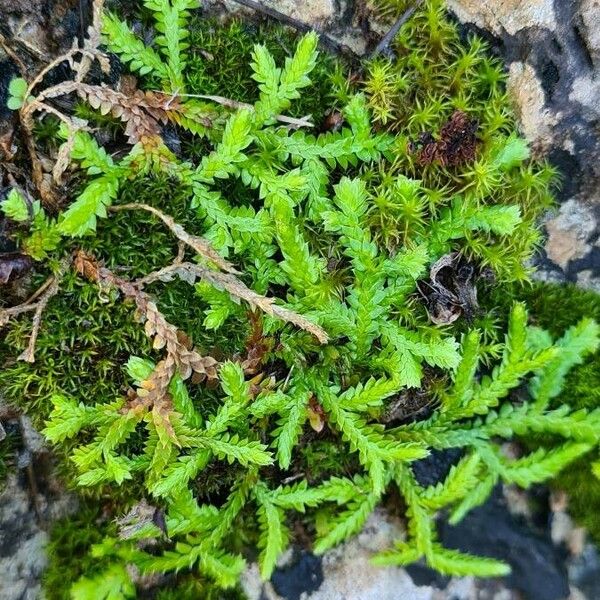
(505,16)
(315,12)
(436,466)
(23,541)
(343,21)
(589,278)
(569,233)
(318,13)
(584,572)
(33,441)
(303,575)
(30,499)
(45,27)
(345,573)
(590,25)
(527,94)
(538,569)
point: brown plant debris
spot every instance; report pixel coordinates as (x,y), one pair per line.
(456,145)
(141,112)
(451,290)
(292,122)
(238,290)
(316,415)
(411,404)
(180,356)
(136,520)
(36,303)
(257,345)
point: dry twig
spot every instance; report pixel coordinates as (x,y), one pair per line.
(384,45)
(153,393)
(43,295)
(230,103)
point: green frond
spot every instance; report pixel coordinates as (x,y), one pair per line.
(579,341)
(461,479)
(119,39)
(171,17)
(453,562)
(347,523)
(274,536)
(542,464)
(15,207)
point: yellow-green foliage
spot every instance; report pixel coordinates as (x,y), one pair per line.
(435,73)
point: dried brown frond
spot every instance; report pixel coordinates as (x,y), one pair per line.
(162,333)
(180,357)
(226,281)
(238,290)
(140,113)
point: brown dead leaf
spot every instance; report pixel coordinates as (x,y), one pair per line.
(457,143)
(141,515)
(409,404)
(316,415)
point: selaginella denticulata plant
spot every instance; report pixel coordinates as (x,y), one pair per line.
(248,321)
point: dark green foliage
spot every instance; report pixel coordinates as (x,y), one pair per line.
(83,342)
(218,61)
(555,307)
(71,539)
(7,455)
(192,589)
(70,556)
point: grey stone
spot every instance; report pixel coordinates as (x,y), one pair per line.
(569,232)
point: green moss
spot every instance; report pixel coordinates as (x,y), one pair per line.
(68,550)
(555,308)
(436,73)
(69,558)
(192,589)
(84,340)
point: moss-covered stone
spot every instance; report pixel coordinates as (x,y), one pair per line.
(88,334)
